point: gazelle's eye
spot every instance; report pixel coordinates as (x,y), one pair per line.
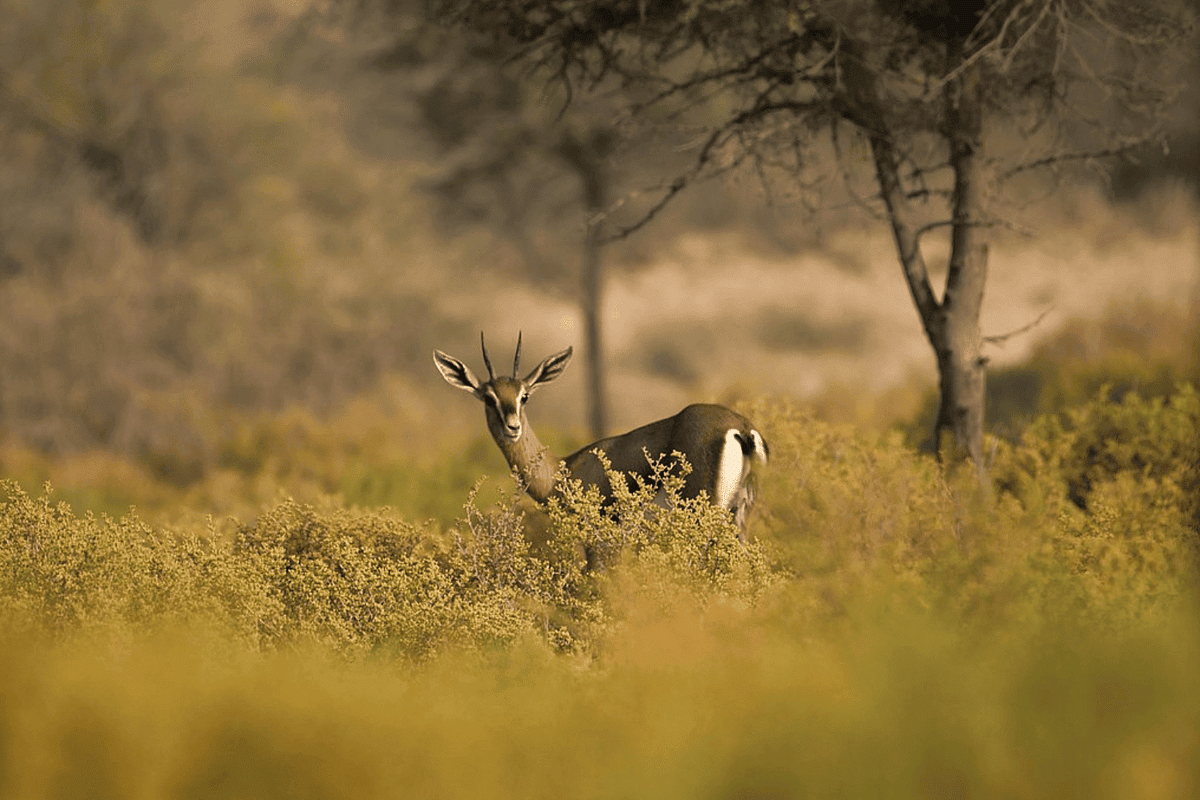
(524,397)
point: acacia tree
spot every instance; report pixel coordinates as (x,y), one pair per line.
(926,85)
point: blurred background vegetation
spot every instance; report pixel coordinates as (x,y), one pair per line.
(230,235)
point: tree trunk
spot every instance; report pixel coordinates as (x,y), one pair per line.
(593,343)
(951,324)
(587,159)
(958,429)
(962,379)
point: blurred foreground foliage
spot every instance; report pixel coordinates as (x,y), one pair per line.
(889,629)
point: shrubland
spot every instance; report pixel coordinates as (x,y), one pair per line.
(231,564)
(891,626)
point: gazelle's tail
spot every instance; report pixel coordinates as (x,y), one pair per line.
(735,488)
(754,446)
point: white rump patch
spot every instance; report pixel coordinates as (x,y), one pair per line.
(760,446)
(732,468)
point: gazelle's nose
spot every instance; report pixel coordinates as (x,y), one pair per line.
(512,428)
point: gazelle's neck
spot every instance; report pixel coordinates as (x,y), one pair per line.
(531,459)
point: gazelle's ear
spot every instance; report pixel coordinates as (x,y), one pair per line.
(549,369)
(455,372)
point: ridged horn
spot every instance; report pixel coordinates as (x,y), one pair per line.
(487,362)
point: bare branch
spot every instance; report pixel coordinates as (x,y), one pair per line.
(1004,337)
(930,226)
(1115,31)
(948,223)
(916,274)
(676,186)
(995,42)
(1087,155)
(1012,51)
(935,87)
(701,78)
(711,145)
(855,198)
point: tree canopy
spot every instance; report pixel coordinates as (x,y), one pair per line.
(950,99)
(1073,78)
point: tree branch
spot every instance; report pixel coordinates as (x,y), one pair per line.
(859,103)
(711,145)
(1004,337)
(855,198)
(676,186)
(916,274)
(1086,155)
(700,78)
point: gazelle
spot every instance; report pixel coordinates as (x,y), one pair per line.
(718,443)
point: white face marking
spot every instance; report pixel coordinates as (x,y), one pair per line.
(732,467)
(504,409)
(513,423)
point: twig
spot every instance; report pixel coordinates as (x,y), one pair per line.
(675,188)
(713,144)
(1002,338)
(1050,160)
(1012,51)
(855,198)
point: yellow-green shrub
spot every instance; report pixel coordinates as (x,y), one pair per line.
(1143,347)
(890,629)
(1114,484)
(864,519)
(357,582)
(350,581)
(61,574)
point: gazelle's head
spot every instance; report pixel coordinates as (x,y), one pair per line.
(503,396)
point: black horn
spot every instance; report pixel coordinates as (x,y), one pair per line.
(517,355)
(487,362)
